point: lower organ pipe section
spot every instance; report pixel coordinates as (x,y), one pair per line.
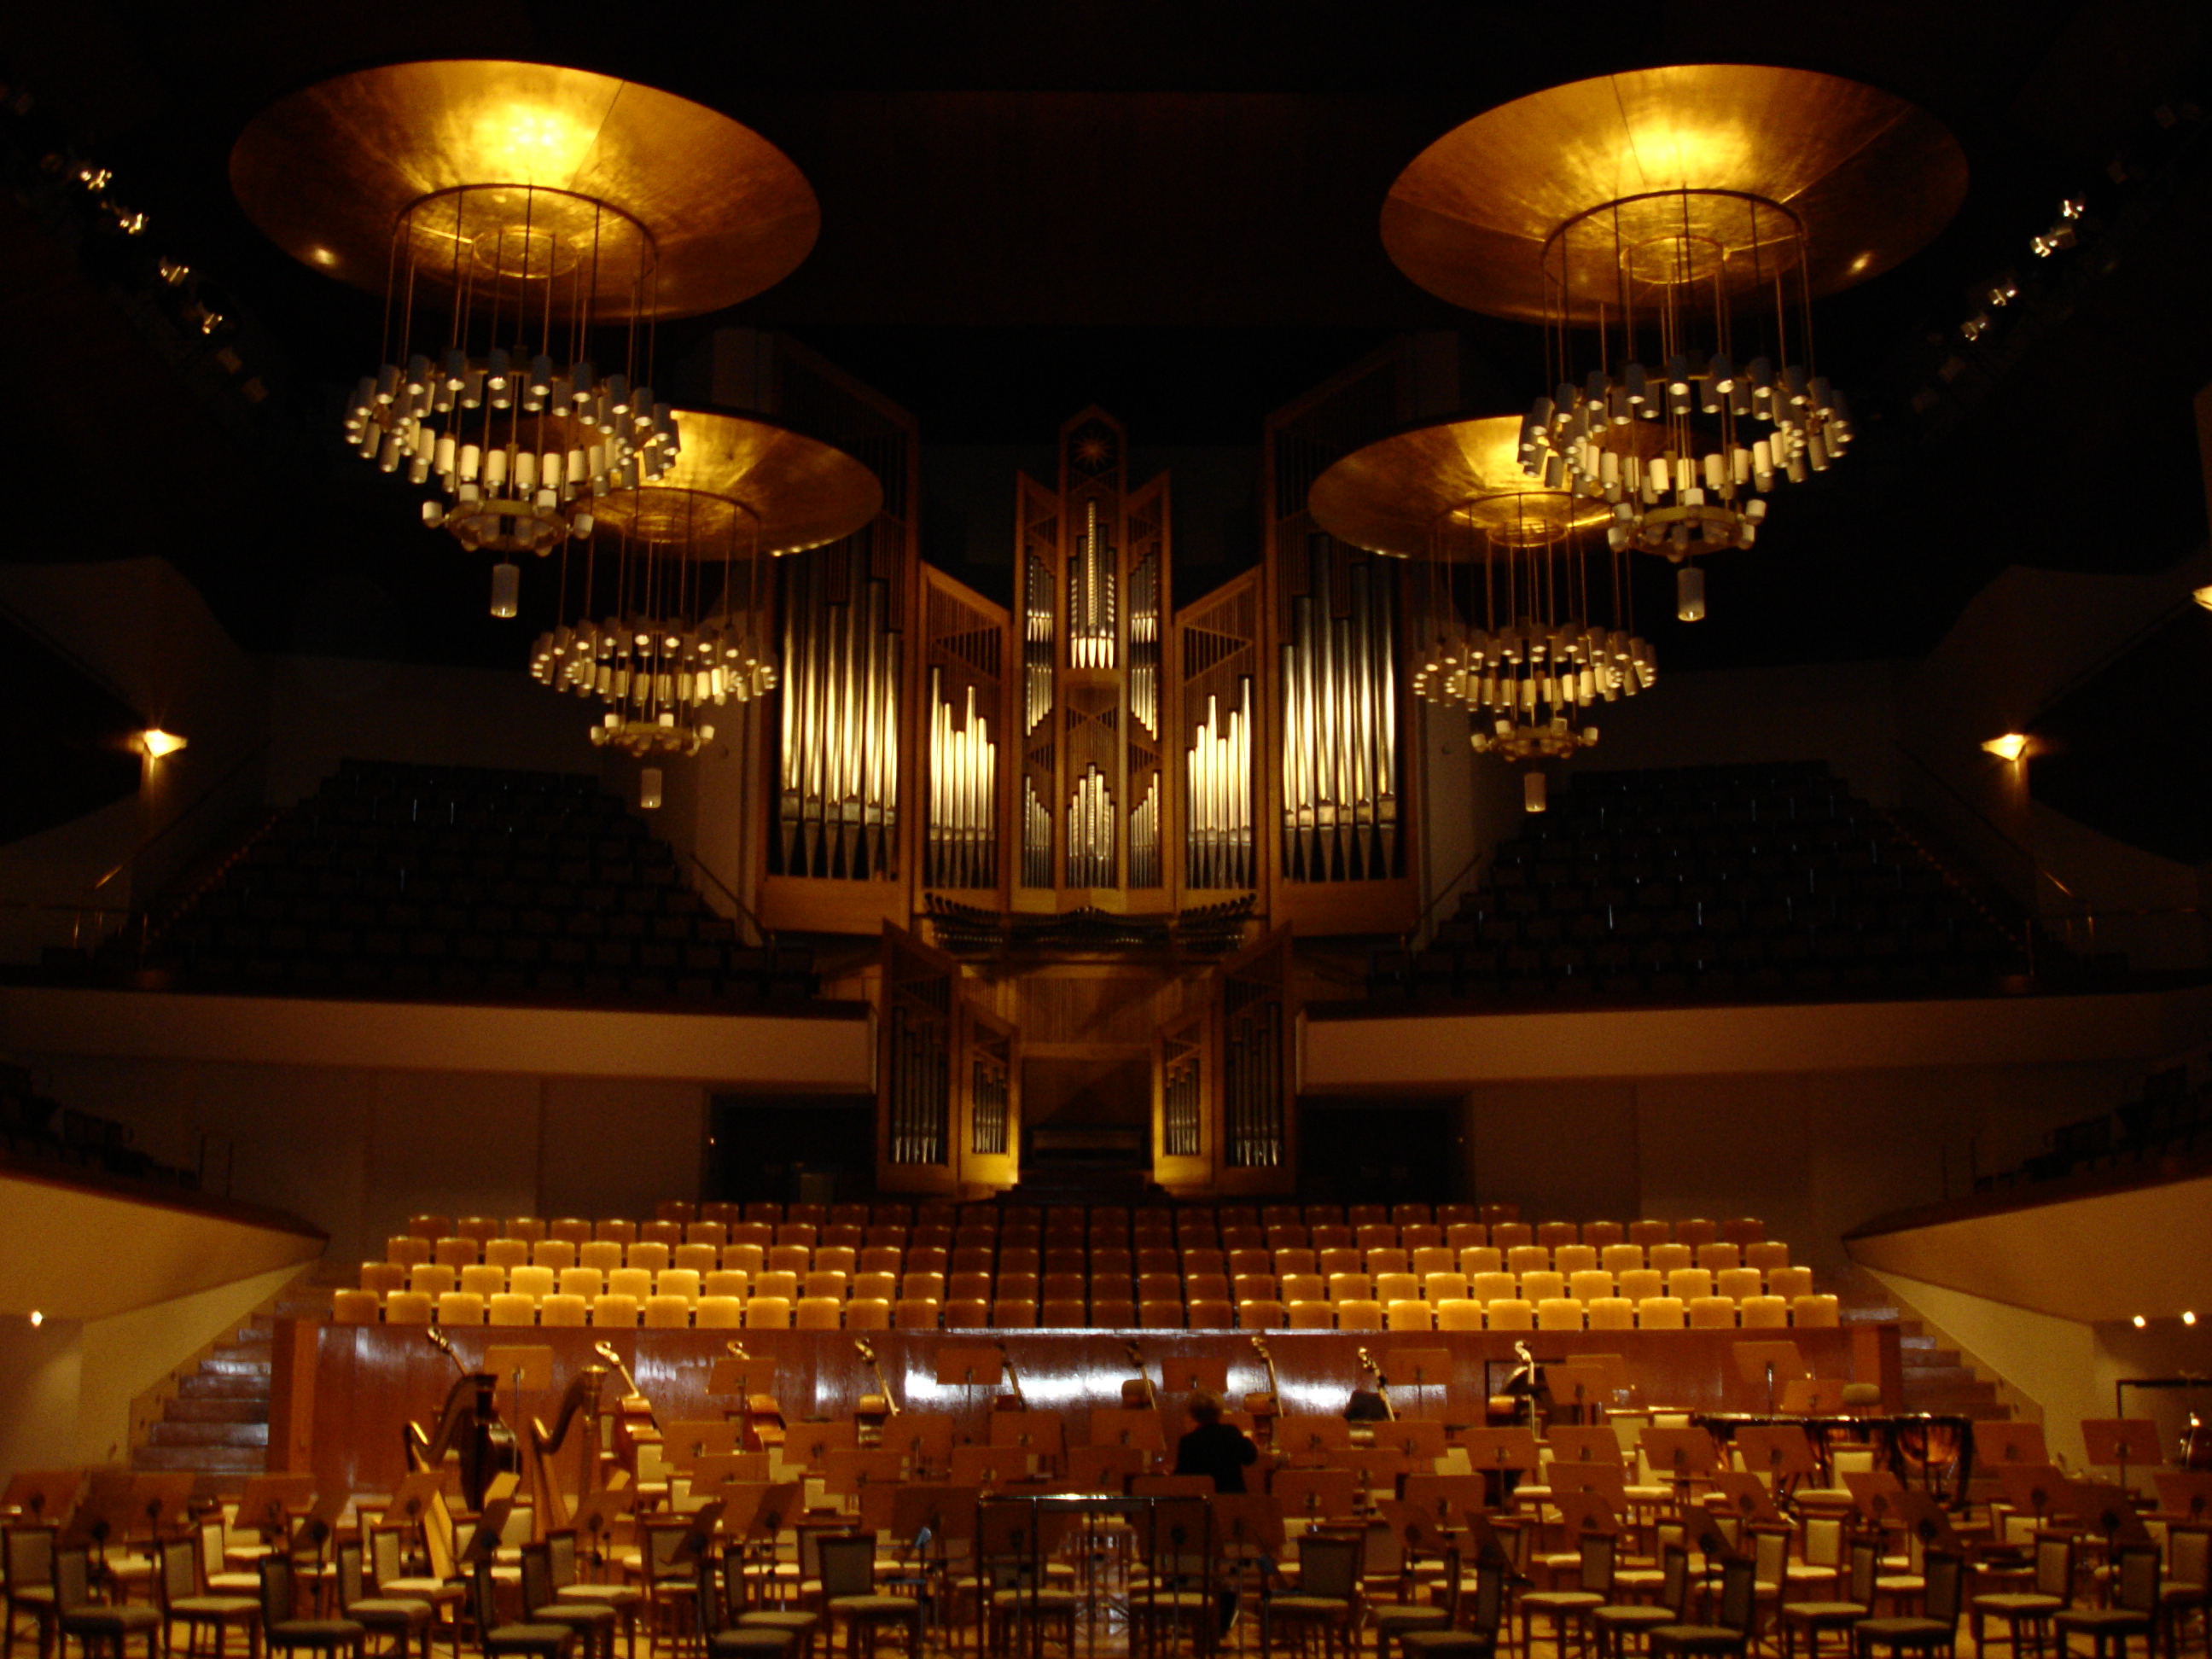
(1090,832)
(838,769)
(963,772)
(1341,727)
(1217,839)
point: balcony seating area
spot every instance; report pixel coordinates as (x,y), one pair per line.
(1198,1267)
(37,1128)
(1712,883)
(467,882)
(2167,1121)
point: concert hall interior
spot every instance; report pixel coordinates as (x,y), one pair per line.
(1438,721)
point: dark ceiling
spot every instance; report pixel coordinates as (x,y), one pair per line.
(1168,208)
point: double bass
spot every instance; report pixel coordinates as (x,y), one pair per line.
(1137,1394)
(469,1429)
(874,1410)
(635,1423)
(1011,1401)
(760,1414)
(1265,1407)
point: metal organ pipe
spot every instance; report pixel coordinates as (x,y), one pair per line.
(963,780)
(839,769)
(1340,738)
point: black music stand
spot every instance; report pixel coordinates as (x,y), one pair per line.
(969,1369)
(1769,1363)
(2041,1489)
(42,1494)
(1421,1369)
(1501,1456)
(1190,1373)
(2121,1440)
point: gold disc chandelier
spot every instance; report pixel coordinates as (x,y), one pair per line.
(526,226)
(664,607)
(1669,229)
(1523,611)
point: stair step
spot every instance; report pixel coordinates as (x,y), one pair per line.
(212,1460)
(173,1433)
(224,1363)
(225,1386)
(250,1409)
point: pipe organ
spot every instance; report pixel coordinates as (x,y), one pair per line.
(1218,660)
(1340,697)
(965,642)
(838,753)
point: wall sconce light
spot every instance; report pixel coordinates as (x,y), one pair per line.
(2010,747)
(157,743)
(36,1318)
(2139,1321)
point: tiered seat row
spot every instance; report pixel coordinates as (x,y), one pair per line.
(1716,882)
(1196,1267)
(467,879)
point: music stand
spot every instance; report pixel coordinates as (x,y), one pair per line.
(1584,1512)
(1374,1468)
(2039,1488)
(969,1369)
(1747,1496)
(317,1525)
(1769,1363)
(2184,1494)
(988,1467)
(685,1444)
(2107,1507)
(1419,1369)
(711,1472)
(1498,1455)
(1812,1396)
(42,1494)
(1928,1522)
(1573,1442)
(106,1511)
(1314,1495)
(1418,1438)
(1782,1451)
(926,1438)
(1190,1373)
(1102,1468)
(594,1520)
(848,1471)
(1684,1454)
(1302,1436)
(528,1366)
(2121,1441)
(1040,1434)
(1577,1384)
(267,1501)
(1607,1481)
(1110,1426)
(1248,1525)
(1443,1496)
(162,1497)
(1876,1492)
(809,1443)
(1997,1444)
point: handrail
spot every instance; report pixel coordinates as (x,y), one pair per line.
(87,906)
(743,909)
(1443,893)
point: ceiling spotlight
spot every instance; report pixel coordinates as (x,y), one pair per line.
(2010,747)
(157,743)
(2140,1322)
(2203,596)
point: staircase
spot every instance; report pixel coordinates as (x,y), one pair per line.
(217,1424)
(1938,1380)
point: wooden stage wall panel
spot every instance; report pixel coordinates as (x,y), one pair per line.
(371,1379)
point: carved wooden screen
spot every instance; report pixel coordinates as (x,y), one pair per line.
(917,1068)
(1218,664)
(1256,1035)
(964,701)
(1340,784)
(841,764)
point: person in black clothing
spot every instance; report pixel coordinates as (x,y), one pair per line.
(1212,1447)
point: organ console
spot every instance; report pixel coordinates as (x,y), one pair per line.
(469,1429)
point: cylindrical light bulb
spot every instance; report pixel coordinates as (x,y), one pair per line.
(1689,594)
(1532,792)
(648,789)
(506,589)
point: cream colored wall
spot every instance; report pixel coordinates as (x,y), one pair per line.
(41,1377)
(122,1357)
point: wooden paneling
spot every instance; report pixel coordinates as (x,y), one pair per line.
(371,1379)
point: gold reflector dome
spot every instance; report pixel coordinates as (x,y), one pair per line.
(1870,178)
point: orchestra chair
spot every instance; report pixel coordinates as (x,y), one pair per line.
(1112,1313)
(1327,1598)
(569,1230)
(913,1313)
(1210,1314)
(820,1313)
(507,1253)
(1358,1315)
(1572,1259)
(1559,1313)
(184,1601)
(1710,1313)
(1544,1286)
(407,1307)
(1261,1313)
(1807,1312)
(1669,1258)
(495,1639)
(2050,1592)
(1159,1314)
(1766,1254)
(769,1313)
(1063,1313)
(967,1314)
(1408,1314)
(1312,1316)
(1935,1628)
(460,1308)
(1528,1258)
(1459,1314)
(563,1309)
(359,1307)
(1434,1259)
(616,1308)
(397,1618)
(1611,1313)
(668,1313)
(1351,1288)
(1734,1620)
(720,1313)
(1396,1287)
(1481,1259)
(1696,1231)
(776,1283)
(677,1281)
(1719,1258)
(636,1283)
(1589,1284)
(382,1277)
(1764,1313)
(282,1630)
(1510,1313)
(725,1282)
